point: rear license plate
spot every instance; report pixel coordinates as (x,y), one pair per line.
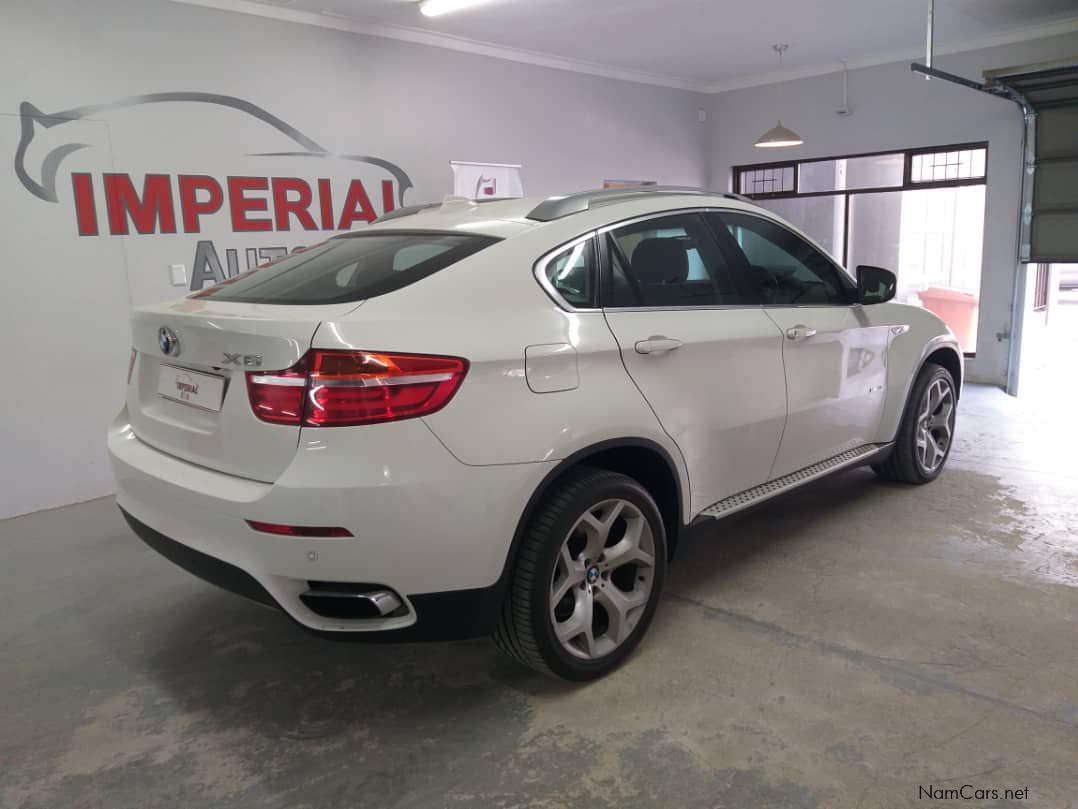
(190,387)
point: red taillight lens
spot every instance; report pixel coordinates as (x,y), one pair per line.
(131,365)
(364,387)
(277,397)
(298,530)
(342,388)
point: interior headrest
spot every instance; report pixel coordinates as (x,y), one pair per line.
(660,261)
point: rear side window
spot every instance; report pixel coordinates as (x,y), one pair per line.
(350,268)
(572,274)
(670,261)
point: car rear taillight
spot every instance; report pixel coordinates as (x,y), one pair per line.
(346,388)
(278,397)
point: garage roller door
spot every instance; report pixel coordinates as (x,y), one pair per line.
(1050,180)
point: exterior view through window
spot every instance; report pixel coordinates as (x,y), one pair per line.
(918,212)
(350,268)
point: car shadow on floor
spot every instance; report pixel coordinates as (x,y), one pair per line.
(244,665)
(710,552)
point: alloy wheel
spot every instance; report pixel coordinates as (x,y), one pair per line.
(603,579)
(935,425)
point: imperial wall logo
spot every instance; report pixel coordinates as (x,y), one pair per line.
(116,203)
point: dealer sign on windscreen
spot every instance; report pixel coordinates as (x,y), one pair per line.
(286,183)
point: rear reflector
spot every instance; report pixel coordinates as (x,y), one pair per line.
(345,388)
(298,530)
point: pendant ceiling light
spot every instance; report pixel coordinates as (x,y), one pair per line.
(779,135)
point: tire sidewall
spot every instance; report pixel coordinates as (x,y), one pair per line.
(560,661)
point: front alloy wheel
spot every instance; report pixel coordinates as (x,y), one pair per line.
(926,432)
(935,424)
(587,577)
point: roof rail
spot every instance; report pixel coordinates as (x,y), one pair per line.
(557,207)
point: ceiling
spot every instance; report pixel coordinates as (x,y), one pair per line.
(707,45)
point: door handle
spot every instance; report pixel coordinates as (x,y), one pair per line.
(657,344)
(800,332)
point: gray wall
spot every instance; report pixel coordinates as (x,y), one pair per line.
(893,109)
(64,299)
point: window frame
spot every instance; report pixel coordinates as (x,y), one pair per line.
(907,183)
(846,281)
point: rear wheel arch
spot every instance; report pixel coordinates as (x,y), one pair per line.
(639,458)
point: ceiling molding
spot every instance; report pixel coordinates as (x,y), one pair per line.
(434,39)
(889,57)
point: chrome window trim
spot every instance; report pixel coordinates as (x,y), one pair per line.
(540,266)
(539,271)
(707,307)
(658,215)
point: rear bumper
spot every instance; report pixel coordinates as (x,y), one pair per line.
(456,615)
(431,529)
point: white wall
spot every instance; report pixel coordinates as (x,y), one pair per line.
(64,298)
(893,109)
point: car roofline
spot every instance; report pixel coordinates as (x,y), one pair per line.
(561,206)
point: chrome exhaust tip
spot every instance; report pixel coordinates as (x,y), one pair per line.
(351,601)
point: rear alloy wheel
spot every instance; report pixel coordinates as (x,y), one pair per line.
(927,430)
(588,577)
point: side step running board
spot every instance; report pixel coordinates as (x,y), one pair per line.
(750,497)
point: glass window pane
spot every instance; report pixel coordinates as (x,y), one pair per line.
(787,268)
(572,274)
(961,164)
(350,268)
(670,261)
(977,169)
(769,180)
(932,239)
(877,171)
(822,218)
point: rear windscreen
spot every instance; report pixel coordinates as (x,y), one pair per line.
(350,268)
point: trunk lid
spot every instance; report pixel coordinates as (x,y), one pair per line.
(192,402)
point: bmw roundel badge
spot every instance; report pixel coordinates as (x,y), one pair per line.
(169,342)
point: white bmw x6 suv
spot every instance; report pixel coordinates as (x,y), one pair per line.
(496,418)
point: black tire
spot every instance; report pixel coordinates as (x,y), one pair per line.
(525,630)
(903,464)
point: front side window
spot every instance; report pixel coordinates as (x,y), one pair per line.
(670,261)
(787,269)
(350,268)
(572,274)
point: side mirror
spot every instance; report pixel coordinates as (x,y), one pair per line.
(875,284)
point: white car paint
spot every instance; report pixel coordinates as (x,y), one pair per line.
(434,502)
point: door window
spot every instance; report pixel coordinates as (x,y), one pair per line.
(669,261)
(786,268)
